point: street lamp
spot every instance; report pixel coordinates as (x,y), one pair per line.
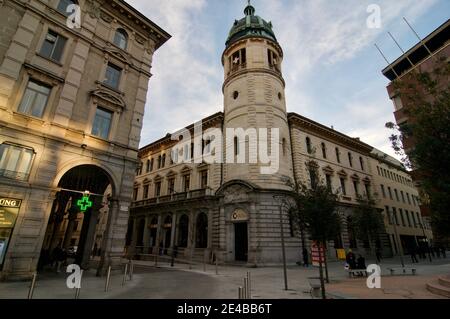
(397,238)
(281,199)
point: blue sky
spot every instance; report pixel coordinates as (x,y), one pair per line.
(331,67)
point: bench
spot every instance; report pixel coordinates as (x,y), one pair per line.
(403,271)
(357,272)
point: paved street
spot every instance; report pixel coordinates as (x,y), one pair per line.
(180,282)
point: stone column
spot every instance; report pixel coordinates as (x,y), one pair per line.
(146,235)
(174,228)
(87,236)
(158,235)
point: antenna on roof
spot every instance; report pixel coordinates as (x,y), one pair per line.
(401,49)
(387,61)
(420,39)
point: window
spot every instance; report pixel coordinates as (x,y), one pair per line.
(203,179)
(338,155)
(324,151)
(121,39)
(135,193)
(313,177)
(378,170)
(402,217)
(367,187)
(236,145)
(15,161)
(102,123)
(171,186)
(409,198)
(396,195)
(388,215)
(356,187)
(344,191)
(403,196)
(147,166)
(34,99)
(394,210)
(272,59)
(361,162)
(146,188)
(112,76)
(63,4)
(238,59)
(383,191)
(163,161)
(283,146)
(418,219)
(308,145)
(329,182)
(350,159)
(407,217)
(157,189)
(53,46)
(390,193)
(159,161)
(186,183)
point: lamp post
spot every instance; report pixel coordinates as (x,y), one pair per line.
(397,238)
(283,246)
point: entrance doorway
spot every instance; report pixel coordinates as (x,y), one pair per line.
(76,211)
(241,241)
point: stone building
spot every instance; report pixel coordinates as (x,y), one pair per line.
(72,100)
(231,207)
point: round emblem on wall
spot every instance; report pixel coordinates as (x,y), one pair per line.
(239,215)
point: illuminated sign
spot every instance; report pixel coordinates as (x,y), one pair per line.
(84,203)
(9,209)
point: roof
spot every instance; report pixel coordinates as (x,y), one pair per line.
(250,26)
(434,42)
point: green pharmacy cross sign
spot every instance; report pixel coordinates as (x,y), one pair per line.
(84,203)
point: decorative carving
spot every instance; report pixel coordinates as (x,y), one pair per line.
(119,55)
(235,194)
(139,39)
(93,9)
(109,97)
(106,17)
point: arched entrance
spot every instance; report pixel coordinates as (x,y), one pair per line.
(201,226)
(72,226)
(183,231)
(240,219)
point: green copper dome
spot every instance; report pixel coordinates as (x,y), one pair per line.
(250,26)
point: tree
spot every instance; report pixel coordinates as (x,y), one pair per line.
(317,212)
(426,101)
(367,220)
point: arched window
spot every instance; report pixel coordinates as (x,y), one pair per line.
(201,240)
(324,150)
(63,4)
(183,231)
(147,168)
(350,159)
(236,145)
(308,145)
(121,39)
(338,155)
(163,161)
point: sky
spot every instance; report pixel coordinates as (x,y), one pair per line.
(331,66)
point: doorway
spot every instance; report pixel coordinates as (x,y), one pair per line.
(241,241)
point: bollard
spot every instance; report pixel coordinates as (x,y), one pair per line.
(33,283)
(78,290)
(241,293)
(108,278)
(156,260)
(204,262)
(217,265)
(245,288)
(131,269)
(249,285)
(125,274)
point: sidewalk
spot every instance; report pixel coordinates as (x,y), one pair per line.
(180,282)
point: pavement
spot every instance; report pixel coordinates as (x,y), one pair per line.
(180,282)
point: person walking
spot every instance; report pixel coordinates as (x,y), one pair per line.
(305,257)
(351,260)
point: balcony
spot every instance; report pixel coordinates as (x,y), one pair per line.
(176,197)
(237,67)
(18,176)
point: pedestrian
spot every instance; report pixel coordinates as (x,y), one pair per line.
(378,255)
(361,264)
(351,260)
(413,254)
(305,257)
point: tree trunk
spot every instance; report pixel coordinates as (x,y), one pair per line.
(325,260)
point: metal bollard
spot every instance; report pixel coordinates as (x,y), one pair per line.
(204,262)
(33,283)
(240,290)
(131,269)
(108,278)
(217,265)
(125,274)
(245,288)
(78,290)
(249,285)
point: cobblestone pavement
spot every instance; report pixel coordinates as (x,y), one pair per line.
(180,282)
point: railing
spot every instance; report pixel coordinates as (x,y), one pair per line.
(173,198)
(20,176)
(237,67)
